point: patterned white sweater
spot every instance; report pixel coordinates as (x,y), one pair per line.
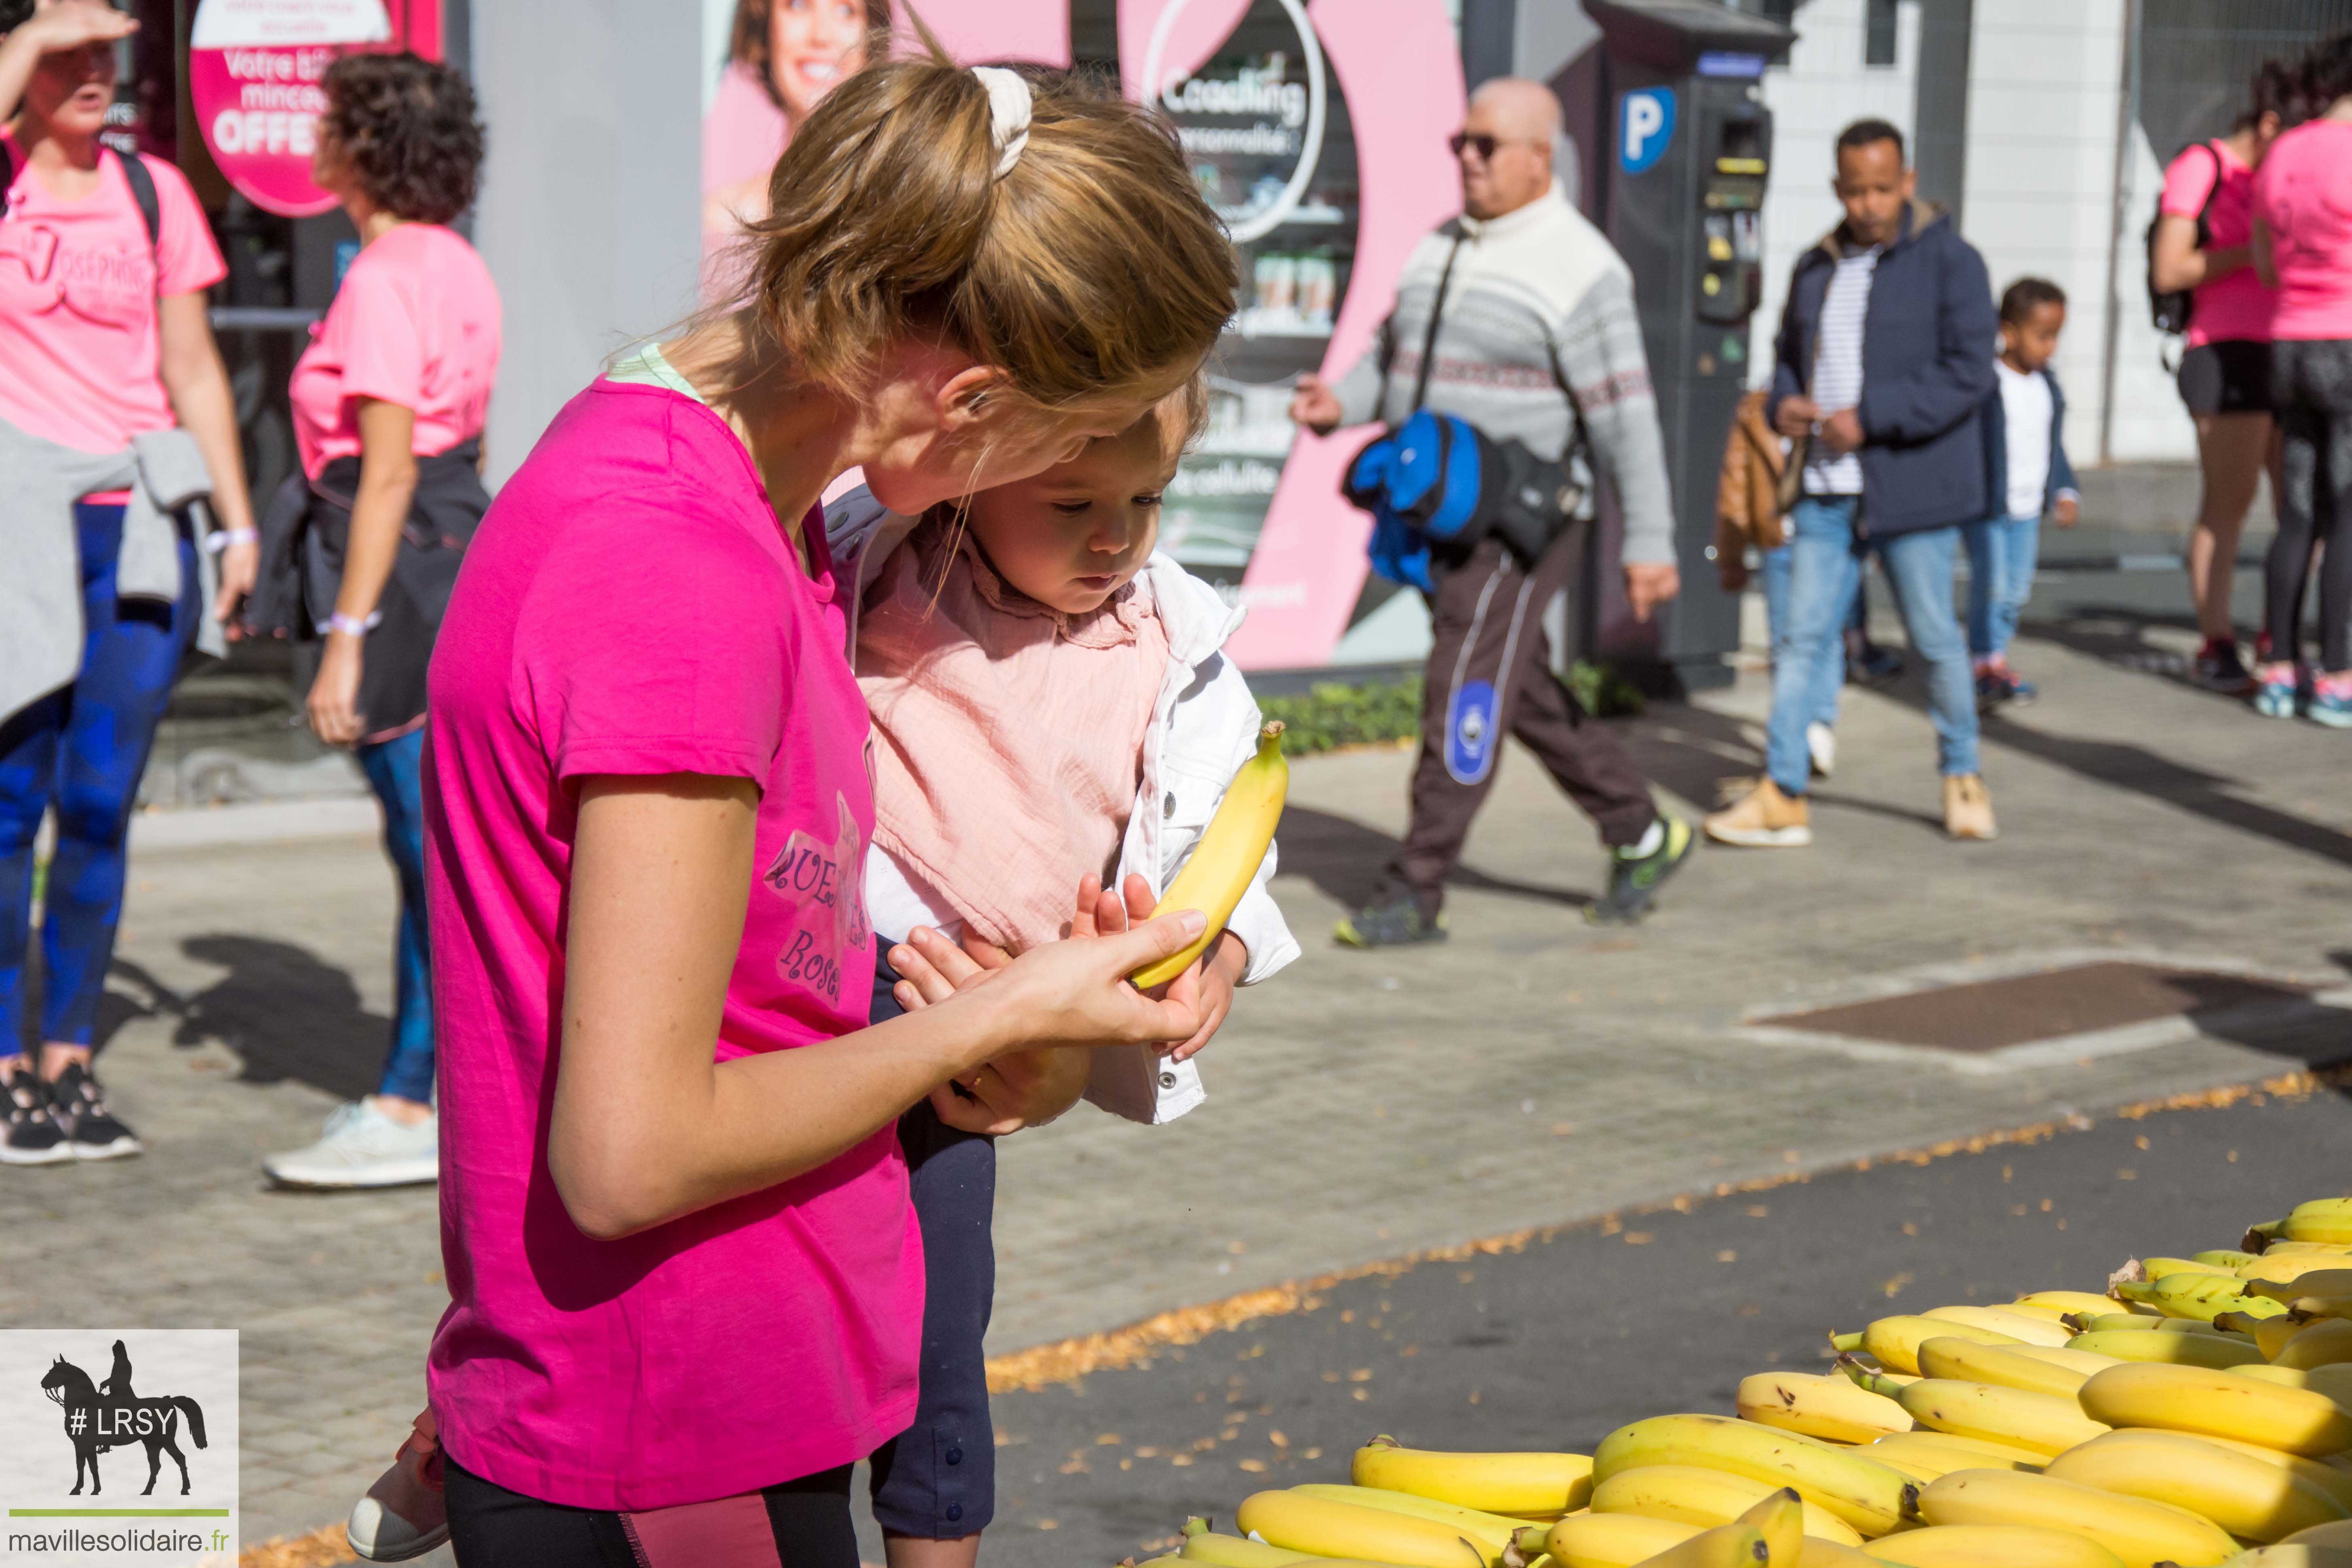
(1540,326)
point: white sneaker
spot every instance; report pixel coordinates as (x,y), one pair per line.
(1821,744)
(402,1516)
(362,1147)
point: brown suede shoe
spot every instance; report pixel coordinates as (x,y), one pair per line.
(1763,819)
(1968,808)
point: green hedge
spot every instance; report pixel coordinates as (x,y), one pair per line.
(1332,713)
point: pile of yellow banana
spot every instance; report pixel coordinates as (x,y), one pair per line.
(2196,1413)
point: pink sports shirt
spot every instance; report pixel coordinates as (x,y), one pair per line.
(631,606)
(78,281)
(415,324)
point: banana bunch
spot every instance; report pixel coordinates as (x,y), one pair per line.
(2021,1418)
(1526,1484)
(2197,1413)
(1819,1406)
(1227,857)
(1871,1496)
(2327,1221)
(2140,1533)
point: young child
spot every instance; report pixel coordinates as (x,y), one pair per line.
(1049,699)
(2025,456)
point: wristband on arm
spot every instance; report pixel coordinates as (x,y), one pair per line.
(222,538)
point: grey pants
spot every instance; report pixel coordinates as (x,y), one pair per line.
(2312,397)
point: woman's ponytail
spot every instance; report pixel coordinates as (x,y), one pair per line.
(1089,270)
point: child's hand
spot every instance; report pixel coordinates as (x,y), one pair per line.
(2067,511)
(1211,981)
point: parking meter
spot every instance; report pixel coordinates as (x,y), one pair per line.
(1671,130)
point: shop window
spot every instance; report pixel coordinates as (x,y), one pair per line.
(1878,35)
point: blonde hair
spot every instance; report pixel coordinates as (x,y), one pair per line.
(1092,273)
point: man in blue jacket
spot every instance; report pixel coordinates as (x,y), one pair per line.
(1884,361)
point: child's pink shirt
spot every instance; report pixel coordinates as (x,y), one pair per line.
(630,605)
(80,346)
(2235,307)
(416,323)
(2304,193)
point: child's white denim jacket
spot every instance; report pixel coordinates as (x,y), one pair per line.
(1204,727)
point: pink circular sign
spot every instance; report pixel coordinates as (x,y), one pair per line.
(259,109)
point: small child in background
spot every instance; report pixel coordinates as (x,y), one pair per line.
(2025,455)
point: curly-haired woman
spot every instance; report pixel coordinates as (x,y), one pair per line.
(363,544)
(115,418)
(782,58)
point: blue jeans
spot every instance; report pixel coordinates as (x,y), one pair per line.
(2002,552)
(1775,566)
(83,749)
(1826,569)
(393,769)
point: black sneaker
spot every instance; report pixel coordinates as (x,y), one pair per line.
(1389,925)
(91,1132)
(32,1136)
(2219,667)
(1874,665)
(1634,880)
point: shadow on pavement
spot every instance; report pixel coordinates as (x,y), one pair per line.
(1344,859)
(285,1012)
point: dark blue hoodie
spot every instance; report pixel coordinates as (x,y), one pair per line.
(1928,343)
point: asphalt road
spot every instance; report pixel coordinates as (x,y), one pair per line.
(1556,1345)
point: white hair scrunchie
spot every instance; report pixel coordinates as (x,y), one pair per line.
(1008,113)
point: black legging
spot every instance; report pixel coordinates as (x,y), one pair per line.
(491,1527)
(2312,390)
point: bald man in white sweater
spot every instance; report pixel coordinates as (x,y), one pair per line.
(1536,335)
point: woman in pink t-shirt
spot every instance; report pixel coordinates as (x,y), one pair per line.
(388,407)
(104,343)
(686,1281)
(782,58)
(2204,242)
(2303,245)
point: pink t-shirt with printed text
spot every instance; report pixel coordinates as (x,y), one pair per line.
(416,323)
(79,280)
(2235,307)
(630,605)
(2304,193)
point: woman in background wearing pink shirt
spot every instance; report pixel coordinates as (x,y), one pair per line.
(2302,247)
(782,58)
(2204,242)
(109,377)
(388,405)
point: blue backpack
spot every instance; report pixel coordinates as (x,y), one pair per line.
(1436,484)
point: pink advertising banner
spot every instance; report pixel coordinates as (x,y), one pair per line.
(1317,128)
(254,70)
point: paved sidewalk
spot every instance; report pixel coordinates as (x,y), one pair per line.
(1534,1072)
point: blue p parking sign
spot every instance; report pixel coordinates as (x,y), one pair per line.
(1645,125)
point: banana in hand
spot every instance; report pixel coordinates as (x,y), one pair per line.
(1228,856)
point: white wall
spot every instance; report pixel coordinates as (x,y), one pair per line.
(1824,88)
(590,214)
(2042,112)
(2045,81)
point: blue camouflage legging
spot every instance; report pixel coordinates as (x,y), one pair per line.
(82,750)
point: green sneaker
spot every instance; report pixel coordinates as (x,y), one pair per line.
(1389,925)
(1634,880)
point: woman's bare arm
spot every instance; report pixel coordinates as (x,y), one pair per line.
(646,1127)
(2175,263)
(198,383)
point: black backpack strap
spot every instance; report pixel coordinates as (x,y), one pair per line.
(143,191)
(1429,339)
(7,175)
